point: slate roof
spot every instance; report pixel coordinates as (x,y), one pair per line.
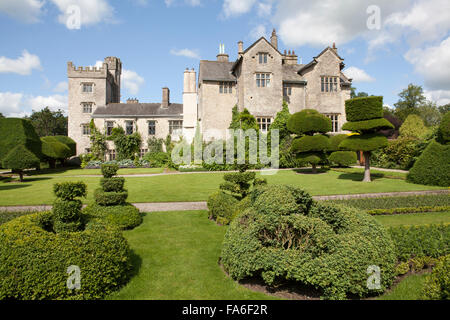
(215,71)
(290,73)
(138,110)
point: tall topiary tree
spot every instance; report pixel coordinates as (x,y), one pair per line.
(19,159)
(365,116)
(112,192)
(66,208)
(311,143)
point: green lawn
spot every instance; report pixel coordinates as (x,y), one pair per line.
(89,172)
(178,259)
(409,288)
(198,186)
(415,218)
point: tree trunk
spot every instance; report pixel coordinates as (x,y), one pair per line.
(367,167)
(314,168)
(20,176)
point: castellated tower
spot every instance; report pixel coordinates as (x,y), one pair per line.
(89,88)
(189,104)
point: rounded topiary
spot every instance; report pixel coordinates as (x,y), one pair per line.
(317,143)
(343,158)
(68,142)
(365,142)
(221,207)
(34,262)
(20,158)
(380,124)
(125,217)
(365,108)
(329,248)
(309,121)
(66,209)
(114,184)
(335,141)
(444,129)
(115,198)
(432,167)
(109,170)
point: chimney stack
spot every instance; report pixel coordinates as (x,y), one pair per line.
(334,47)
(165,97)
(222,56)
(240,48)
(274,39)
(132,100)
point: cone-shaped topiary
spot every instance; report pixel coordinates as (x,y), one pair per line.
(310,148)
(444,129)
(365,116)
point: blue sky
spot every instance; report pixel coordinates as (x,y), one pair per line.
(408,42)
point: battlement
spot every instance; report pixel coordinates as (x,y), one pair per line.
(87,72)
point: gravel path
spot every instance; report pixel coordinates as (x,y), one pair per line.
(189,206)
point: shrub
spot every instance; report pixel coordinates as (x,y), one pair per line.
(112,184)
(421,241)
(70,190)
(221,207)
(432,167)
(366,142)
(14,132)
(34,262)
(315,143)
(238,184)
(6,216)
(335,141)
(309,121)
(413,127)
(20,158)
(157,159)
(408,210)
(155,145)
(444,129)
(125,217)
(400,153)
(343,158)
(68,142)
(328,248)
(54,150)
(366,108)
(437,286)
(104,198)
(109,170)
(380,123)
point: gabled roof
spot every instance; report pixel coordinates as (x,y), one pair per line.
(117,110)
(345,81)
(314,61)
(235,64)
(215,71)
(290,73)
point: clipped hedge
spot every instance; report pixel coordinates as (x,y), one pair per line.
(343,158)
(109,170)
(366,142)
(70,190)
(380,124)
(104,198)
(68,142)
(14,132)
(309,121)
(114,184)
(315,143)
(366,108)
(444,129)
(325,247)
(437,286)
(221,207)
(423,209)
(53,148)
(34,262)
(336,140)
(421,241)
(125,217)
(311,158)
(433,166)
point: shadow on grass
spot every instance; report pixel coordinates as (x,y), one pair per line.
(13,186)
(50,171)
(136,262)
(309,170)
(359,176)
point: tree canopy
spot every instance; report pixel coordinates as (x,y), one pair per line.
(49,123)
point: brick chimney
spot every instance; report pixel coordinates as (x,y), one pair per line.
(165,97)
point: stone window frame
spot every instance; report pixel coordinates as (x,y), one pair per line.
(112,154)
(154,127)
(127,122)
(335,118)
(287,89)
(264,123)
(263,79)
(87,106)
(225,87)
(263,57)
(86,84)
(107,127)
(85,129)
(328,84)
(175,125)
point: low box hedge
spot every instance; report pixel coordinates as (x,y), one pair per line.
(104,198)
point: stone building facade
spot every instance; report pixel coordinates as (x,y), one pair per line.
(260,79)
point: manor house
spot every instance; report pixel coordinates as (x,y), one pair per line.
(260,79)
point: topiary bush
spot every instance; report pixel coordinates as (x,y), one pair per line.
(437,285)
(19,159)
(433,166)
(109,170)
(114,184)
(413,127)
(284,236)
(444,129)
(343,158)
(365,108)
(221,207)
(66,209)
(124,217)
(238,184)
(68,142)
(34,262)
(111,192)
(115,198)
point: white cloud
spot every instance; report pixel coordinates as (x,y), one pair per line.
(192,3)
(27,11)
(433,63)
(19,105)
(358,75)
(92,11)
(233,8)
(188,53)
(265,8)
(62,86)
(441,97)
(131,81)
(258,32)
(23,65)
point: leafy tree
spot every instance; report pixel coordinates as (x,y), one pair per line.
(410,100)
(361,94)
(49,123)
(309,146)
(281,120)
(430,114)
(389,115)
(443,135)
(444,109)
(19,159)
(365,116)
(1,115)
(235,122)
(413,127)
(127,146)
